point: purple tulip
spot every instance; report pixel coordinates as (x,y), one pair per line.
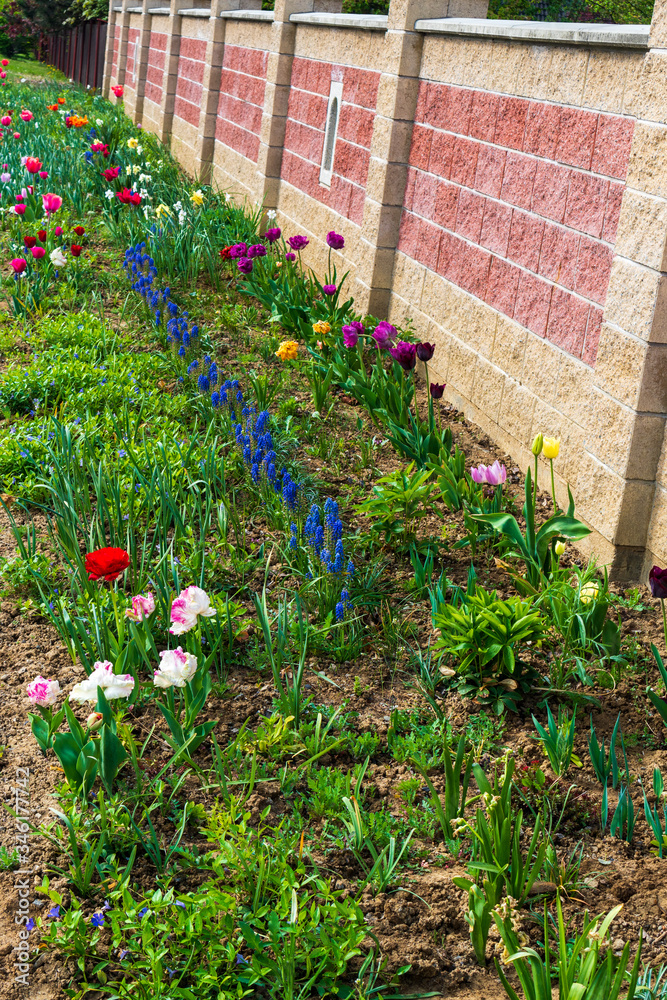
(657,581)
(437,390)
(335,241)
(350,336)
(238,250)
(384,334)
(492,475)
(271,235)
(425,351)
(329,289)
(257,250)
(405,354)
(298,242)
(290,256)
(244,265)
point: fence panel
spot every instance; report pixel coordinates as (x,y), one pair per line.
(78,52)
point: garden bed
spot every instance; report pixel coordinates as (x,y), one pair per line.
(299,834)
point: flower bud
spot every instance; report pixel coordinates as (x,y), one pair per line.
(559,548)
(537,445)
(94,721)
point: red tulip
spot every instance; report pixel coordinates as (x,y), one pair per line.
(29,241)
(41,235)
(75,250)
(107,563)
(79,230)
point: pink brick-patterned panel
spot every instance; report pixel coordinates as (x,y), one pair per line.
(517,201)
(190,78)
(116,47)
(155,66)
(131,61)
(304,135)
(242,85)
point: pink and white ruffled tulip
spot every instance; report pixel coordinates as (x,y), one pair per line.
(142,607)
(27,116)
(187,607)
(51,202)
(113,685)
(43,692)
(176,668)
(492,475)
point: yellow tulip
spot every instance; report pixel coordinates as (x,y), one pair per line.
(551,447)
(559,548)
(589,592)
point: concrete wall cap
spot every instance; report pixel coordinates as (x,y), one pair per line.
(134,10)
(247,15)
(609,35)
(363,22)
(194,12)
(159,10)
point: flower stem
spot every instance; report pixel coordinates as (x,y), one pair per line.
(664,620)
(553,486)
(535,484)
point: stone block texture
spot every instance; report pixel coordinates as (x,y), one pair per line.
(115,43)
(242,86)
(517,202)
(155,67)
(187,104)
(304,134)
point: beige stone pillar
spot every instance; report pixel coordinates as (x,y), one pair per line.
(122,44)
(617,485)
(170,77)
(141,58)
(276,97)
(215,50)
(108,54)
(390,143)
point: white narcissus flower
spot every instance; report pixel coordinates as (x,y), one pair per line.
(176,668)
(113,685)
(43,692)
(177,206)
(186,608)
(99,122)
(57,257)
(109,194)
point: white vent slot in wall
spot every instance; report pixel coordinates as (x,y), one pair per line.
(333,114)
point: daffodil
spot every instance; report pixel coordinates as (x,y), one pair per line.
(197,198)
(162,210)
(132,143)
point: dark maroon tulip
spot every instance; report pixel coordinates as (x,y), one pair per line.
(437,390)
(425,351)
(405,354)
(657,581)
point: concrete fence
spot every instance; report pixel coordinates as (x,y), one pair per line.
(502,184)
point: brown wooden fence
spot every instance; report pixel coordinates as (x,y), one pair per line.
(79,52)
